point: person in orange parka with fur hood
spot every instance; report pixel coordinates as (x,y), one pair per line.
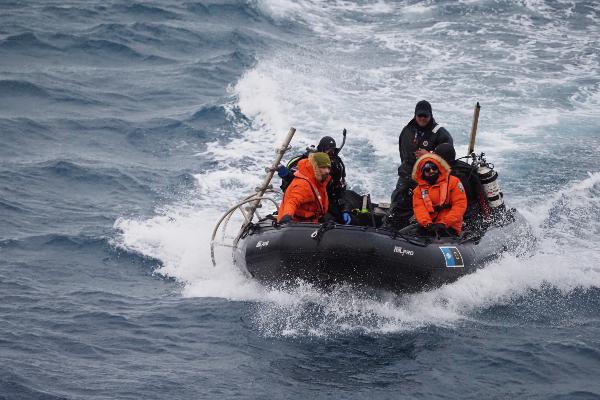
(439,200)
(305,200)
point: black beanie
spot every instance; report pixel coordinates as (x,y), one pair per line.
(423,107)
(446,151)
(326,143)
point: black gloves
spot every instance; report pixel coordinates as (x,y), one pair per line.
(285,219)
(437,229)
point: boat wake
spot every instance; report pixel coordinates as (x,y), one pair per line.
(564,264)
(322,92)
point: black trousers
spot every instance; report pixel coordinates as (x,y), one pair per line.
(335,212)
(401,204)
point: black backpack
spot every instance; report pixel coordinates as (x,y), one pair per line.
(292,166)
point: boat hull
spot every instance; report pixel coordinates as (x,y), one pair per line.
(366,256)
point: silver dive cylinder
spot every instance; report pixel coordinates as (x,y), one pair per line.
(491,186)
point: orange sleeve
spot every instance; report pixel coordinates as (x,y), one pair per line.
(293,197)
(421,213)
(458,204)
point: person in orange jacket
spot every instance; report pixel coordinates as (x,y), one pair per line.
(439,200)
(305,200)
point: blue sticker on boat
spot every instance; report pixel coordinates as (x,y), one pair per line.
(452,257)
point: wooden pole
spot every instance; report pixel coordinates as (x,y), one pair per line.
(474,129)
(260,191)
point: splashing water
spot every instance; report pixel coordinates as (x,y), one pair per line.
(182,248)
(365,81)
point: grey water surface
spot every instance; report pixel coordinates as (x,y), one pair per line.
(127,128)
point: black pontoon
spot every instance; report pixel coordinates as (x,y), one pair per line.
(364,254)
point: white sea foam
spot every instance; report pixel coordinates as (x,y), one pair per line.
(365,79)
(417,8)
(280,8)
(179,239)
(260,98)
(319,12)
(586,100)
(565,267)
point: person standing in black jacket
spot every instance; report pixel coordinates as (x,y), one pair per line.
(420,136)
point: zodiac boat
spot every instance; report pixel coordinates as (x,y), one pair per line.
(365,254)
(329,254)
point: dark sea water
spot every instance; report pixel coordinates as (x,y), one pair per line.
(128,128)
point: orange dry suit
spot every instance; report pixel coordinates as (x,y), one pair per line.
(444,202)
(306,197)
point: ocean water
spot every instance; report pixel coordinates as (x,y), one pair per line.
(127,128)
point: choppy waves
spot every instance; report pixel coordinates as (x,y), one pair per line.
(551,271)
(321,94)
(128,128)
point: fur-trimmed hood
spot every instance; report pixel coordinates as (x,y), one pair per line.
(437,160)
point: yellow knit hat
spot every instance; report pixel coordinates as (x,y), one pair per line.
(322,160)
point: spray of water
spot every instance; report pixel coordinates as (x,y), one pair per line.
(322,92)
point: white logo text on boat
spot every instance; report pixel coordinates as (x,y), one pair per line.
(401,251)
(260,244)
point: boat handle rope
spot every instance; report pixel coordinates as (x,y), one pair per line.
(318,234)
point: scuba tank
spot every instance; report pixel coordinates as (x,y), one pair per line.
(491,186)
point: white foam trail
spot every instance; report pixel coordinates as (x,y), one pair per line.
(573,212)
(179,239)
(352,83)
(280,9)
(318,13)
(306,311)
(417,9)
(260,99)
(175,239)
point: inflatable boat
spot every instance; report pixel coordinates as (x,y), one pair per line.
(364,254)
(404,261)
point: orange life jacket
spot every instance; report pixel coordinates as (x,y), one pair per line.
(306,198)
